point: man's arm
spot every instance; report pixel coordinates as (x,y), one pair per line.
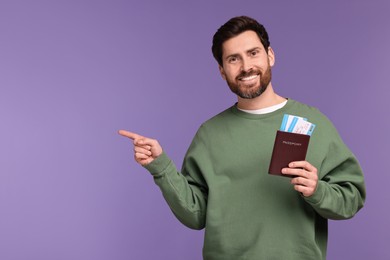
(340,192)
(185,195)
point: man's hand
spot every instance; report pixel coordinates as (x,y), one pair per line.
(305,177)
(145,149)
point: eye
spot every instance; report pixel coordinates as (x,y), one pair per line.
(232,59)
(254,53)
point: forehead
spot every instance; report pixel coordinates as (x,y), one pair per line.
(241,43)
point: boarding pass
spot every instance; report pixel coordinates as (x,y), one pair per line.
(296,124)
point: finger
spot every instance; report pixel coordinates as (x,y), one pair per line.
(145,142)
(138,149)
(302,189)
(141,160)
(305,191)
(130,135)
(141,156)
(302,164)
(303,181)
(146,147)
(145,161)
(294,172)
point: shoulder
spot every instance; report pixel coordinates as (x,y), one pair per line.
(216,124)
(324,128)
(219,118)
(305,108)
(313,114)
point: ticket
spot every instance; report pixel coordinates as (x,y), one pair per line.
(296,124)
(289,121)
(303,127)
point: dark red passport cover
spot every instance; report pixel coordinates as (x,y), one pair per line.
(288,147)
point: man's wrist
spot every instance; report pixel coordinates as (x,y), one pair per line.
(159,164)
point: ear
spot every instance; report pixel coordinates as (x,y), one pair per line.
(271,57)
(222,72)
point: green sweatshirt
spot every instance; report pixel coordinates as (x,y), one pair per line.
(224,187)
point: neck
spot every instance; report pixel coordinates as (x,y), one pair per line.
(266,99)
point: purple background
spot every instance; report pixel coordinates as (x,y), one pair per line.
(74,72)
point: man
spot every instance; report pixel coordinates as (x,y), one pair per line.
(224,185)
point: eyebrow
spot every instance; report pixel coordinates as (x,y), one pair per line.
(237,55)
(253,49)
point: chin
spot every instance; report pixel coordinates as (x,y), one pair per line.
(251,94)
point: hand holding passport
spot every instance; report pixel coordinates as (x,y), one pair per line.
(291,143)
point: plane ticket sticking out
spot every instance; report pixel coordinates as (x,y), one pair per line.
(296,124)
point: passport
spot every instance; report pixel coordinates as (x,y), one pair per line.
(288,147)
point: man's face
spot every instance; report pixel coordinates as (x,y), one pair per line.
(246,65)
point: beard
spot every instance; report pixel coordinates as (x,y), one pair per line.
(254,90)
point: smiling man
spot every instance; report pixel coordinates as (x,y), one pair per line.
(246,65)
(224,185)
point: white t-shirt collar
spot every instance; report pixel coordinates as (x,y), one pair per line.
(265,110)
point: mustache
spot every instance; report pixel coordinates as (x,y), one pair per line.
(244,74)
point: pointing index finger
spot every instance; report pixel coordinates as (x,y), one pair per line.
(128,134)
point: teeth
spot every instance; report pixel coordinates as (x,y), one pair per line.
(249,78)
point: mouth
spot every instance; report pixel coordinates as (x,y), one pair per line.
(249,79)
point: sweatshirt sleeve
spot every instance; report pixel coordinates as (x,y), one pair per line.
(185,191)
(340,192)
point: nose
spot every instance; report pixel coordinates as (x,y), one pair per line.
(246,65)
